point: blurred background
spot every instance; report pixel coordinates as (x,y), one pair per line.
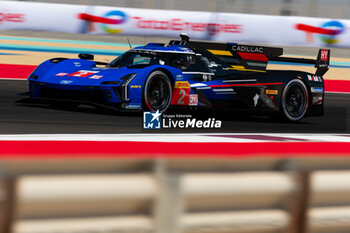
(246,195)
(311,8)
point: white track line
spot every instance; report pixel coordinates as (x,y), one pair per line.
(203,137)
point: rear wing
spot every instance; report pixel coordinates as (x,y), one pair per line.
(321,63)
(252,57)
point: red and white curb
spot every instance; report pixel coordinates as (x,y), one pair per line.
(182,138)
(70,146)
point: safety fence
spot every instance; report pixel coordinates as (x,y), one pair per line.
(174,183)
(242,28)
(176,195)
(312,8)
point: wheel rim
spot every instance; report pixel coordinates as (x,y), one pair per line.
(158,93)
(296,101)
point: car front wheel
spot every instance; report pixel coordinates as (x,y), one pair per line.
(157,92)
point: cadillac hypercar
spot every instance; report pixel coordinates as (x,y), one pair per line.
(192,74)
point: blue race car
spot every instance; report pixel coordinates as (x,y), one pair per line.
(185,73)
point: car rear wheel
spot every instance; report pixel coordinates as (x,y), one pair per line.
(294,100)
(157,92)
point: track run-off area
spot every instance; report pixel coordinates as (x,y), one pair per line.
(20,55)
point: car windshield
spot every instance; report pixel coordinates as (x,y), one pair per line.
(187,62)
(132,58)
(150,57)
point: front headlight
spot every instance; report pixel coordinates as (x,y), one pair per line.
(124,85)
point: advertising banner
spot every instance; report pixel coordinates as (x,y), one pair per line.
(241,28)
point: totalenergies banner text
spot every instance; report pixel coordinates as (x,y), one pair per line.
(243,28)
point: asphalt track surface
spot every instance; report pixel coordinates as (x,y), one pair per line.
(36,119)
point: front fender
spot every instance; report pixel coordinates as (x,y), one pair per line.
(56,65)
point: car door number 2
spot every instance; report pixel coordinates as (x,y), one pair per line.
(182,95)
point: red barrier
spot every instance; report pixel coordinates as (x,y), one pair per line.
(13,71)
(337,86)
(133,149)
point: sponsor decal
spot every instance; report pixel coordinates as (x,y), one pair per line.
(152,120)
(256,99)
(61,74)
(12,17)
(314,78)
(109,22)
(83,73)
(182,84)
(183,25)
(135,86)
(271,92)
(118,17)
(193,100)
(77,64)
(328,32)
(336,28)
(317,89)
(155,120)
(179,77)
(96,76)
(247,49)
(66,81)
(181,94)
(132,106)
(324,55)
(112,19)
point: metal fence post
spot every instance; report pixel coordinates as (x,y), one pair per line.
(168,206)
(299,201)
(8,206)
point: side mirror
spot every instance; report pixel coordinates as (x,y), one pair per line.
(86,56)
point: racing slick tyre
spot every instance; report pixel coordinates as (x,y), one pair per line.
(157,92)
(294,100)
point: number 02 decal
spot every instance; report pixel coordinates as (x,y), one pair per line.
(181,94)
